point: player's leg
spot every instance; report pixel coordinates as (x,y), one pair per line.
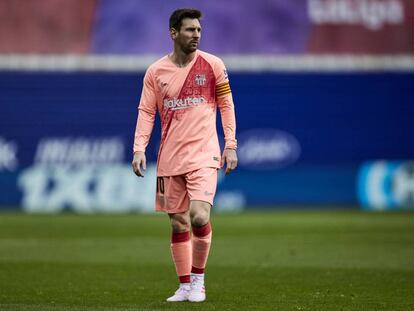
(172,198)
(181,251)
(201,241)
(202,187)
(201,238)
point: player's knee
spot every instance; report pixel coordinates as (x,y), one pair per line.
(200,218)
(180,224)
(199,213)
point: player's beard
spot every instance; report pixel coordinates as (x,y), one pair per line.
(189,47)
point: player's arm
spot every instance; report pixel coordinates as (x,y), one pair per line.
(225,103)
(145,123)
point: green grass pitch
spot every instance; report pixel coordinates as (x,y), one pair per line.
(290,260)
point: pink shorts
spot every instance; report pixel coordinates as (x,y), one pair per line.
(174,193)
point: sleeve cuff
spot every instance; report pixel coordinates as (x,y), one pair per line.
(232,145)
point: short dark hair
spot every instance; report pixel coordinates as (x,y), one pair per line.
(178,15)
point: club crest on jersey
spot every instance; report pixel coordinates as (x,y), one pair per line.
(200,79)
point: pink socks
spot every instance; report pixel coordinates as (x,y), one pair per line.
(201,247)
(181,254)
(190,254)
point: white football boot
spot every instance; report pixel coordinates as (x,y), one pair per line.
(181,294)
(198,291)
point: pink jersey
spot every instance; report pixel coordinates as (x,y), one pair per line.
(186,99)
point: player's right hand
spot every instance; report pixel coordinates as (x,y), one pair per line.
(139,163)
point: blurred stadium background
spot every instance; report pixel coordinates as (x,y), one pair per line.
(322,89)
(324,102)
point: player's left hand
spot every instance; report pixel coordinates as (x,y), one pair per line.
(230,159)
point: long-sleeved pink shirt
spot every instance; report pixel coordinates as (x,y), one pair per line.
(186,99)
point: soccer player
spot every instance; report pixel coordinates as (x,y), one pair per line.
(185,87)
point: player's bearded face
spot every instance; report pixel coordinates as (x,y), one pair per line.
(188,38)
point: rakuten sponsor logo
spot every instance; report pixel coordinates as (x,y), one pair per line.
(188,102)
(267,148)
(373,14)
